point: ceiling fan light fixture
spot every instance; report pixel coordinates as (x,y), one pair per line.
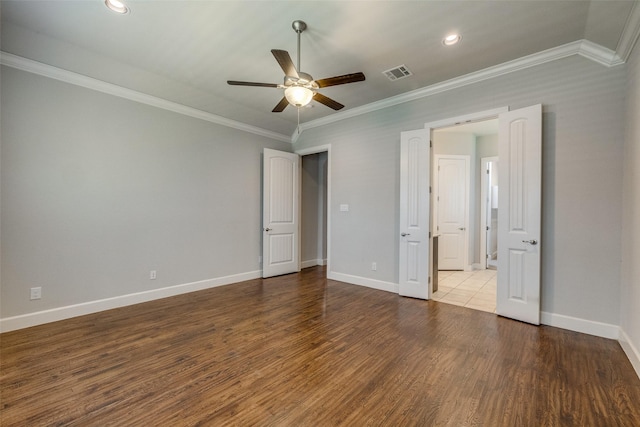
(117,6)
(298,95)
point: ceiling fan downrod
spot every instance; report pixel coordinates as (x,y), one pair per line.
(299,26)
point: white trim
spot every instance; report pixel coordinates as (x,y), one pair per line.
(599,54)
(67,312)
(364,281)
(471,117)
(70,77)
(599,329)
(311,263)
(630,33)
(630,350)
(313,150)
(583,48)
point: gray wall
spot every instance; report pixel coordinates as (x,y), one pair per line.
(583,130)
(98,190)
(630,295)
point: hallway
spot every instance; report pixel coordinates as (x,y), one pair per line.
(472,289)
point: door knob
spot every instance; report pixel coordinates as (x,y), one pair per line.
(461,228)
(267,229)
(530,242)
(405,234)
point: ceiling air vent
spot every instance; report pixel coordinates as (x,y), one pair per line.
(396,73)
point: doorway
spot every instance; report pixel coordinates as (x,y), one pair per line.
(519,223)
(467,282)
(314,223)
(314,210)
(489,212)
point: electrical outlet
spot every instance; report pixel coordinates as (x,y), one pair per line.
(374,266)
(152,275)
(36,293)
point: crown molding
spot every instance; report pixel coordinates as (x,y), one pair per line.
(583,48)
(630,33)
(599,54)
(35,67)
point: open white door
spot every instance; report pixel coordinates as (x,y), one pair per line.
(281,213)
(414,214)
(519,217)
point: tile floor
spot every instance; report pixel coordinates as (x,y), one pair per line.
(472,289)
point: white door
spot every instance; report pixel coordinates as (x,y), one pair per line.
(281,213)
(520,152)
(414,214)
(452,209)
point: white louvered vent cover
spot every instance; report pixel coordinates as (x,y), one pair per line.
(399,72)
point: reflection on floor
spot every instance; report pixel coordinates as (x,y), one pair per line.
(473,289)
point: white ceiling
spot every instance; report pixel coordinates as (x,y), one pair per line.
(185,51)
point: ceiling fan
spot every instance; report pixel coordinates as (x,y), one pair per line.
(300,88)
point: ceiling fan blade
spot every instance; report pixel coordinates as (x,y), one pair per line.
(281,106)
(235,83)
(283,58)
(340,80)
(327,101)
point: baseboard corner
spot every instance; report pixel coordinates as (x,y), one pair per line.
(630,350)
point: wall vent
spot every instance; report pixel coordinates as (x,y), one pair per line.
(396,73)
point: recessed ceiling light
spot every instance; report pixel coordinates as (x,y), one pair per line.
(117,6)
(451,39)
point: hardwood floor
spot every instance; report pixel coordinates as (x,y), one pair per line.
(300,350)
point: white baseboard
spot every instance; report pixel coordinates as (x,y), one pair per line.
(67,312)
(313,263)
(630,350)
(364,281)
(604,330)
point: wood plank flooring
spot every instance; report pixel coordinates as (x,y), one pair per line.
(300,350)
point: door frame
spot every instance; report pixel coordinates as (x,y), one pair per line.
(315,150)
(483,208)
(451,122)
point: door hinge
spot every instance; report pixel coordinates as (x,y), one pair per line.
(429,189)
(430,144)
(429,234)
(429,281)
(487,171)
